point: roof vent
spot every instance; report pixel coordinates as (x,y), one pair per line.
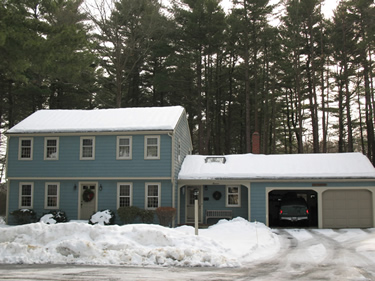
(215,159)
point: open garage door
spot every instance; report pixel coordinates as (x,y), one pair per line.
(278,196)
(347,208)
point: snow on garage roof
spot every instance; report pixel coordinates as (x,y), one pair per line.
(100,120)
(286,166)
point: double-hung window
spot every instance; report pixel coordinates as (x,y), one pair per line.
(233,194)
(26,195)
(51,148)
(152,196)
(87,148)
(124,194)
(25,151)
(152,147)
(52,193)
(124,147)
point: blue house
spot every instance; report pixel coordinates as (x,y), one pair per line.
(82,161)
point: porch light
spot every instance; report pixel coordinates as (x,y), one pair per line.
(75,187)
(100,187)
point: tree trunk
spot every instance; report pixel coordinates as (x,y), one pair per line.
(247,87)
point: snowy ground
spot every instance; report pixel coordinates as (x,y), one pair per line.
(229,250)
(226,244)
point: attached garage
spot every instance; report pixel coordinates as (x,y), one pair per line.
(347,208)
(338,188)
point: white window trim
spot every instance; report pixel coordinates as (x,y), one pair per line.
(146,195)
(57,148)
(81,150)
(20,195)
(118,192)
(20,148)
(46,196)
(227,195)
(118,157)
(158,148)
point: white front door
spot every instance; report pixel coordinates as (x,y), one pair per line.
(88,199)
(190,203)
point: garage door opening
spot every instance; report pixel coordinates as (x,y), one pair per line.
(280,199)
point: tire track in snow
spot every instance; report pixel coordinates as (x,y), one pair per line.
(309,254)
(344,256)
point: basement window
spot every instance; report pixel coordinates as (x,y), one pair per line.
(215,159)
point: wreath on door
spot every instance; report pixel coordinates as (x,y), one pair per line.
(217,195)
(88,195)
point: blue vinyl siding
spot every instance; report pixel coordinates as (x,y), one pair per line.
(258,202)
(68,198)
(107,197)
(212,204)
(183,146)
(104,165)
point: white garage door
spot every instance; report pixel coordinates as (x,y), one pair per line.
(347,208)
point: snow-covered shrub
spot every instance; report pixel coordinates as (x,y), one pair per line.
(165,215)
(128,214)
(105,217)
(24,216)
(146,216)
(55,216)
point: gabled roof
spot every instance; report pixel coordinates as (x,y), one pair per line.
(287,166)
(100,120)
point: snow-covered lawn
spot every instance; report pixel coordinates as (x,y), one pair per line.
(227,244)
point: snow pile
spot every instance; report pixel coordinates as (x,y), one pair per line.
(227,244)
(48,219)
(102,217)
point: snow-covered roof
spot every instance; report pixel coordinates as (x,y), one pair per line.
(100,120)
(287,166)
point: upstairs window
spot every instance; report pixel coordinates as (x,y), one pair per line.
(152,147)
(26,195)
(152,196)
(124,147)
(51,148)
(25,149)
(87,148)
(233,196)
(52,196)
(124,191)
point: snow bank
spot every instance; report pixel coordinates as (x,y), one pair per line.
(227,244)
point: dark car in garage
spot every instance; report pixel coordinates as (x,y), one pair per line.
(294,211)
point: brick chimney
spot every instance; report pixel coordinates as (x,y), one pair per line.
(256,143)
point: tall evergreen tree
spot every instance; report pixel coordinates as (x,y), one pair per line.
(201,25)
(250,22)
(125,38)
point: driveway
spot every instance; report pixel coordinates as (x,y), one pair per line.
(305,254)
